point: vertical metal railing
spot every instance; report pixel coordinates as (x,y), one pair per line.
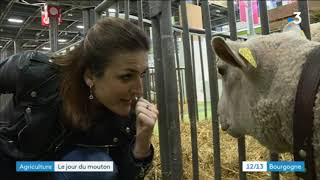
(214,96)
(264,31)
(264,17)
(164,153)
(241,140)
(203,80)
(166,84)
(117,8)
(183,80)
(305,22)
(140,13)
(126,9)
(180,87)
(146,80)
(167,50)
(194,76)
(190,88)
(152,85)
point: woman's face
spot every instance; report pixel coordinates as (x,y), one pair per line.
(121,82)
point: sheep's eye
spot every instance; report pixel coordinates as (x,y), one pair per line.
(222,70)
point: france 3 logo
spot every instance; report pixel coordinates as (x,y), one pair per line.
(297,19)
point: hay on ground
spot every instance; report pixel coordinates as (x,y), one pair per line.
(229,155)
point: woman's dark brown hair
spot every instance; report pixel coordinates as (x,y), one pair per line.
(106,38)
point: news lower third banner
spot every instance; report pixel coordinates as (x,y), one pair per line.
(64,166)
(273,166)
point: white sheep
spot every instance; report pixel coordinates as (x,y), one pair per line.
(315,31)
(259,101)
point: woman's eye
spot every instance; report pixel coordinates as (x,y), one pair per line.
(142,75)
(126,77)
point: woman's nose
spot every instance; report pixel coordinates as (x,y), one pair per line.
(137,89)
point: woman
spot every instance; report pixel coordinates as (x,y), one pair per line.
(85,106)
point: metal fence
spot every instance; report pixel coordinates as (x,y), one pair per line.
(171,83)
(164,38)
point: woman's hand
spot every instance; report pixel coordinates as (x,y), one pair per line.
(147,115)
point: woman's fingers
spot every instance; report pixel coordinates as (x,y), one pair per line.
(152,113)
(144,104)
(146,120)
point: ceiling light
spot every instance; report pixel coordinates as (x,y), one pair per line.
(1,46)
(30,45)
(62,40)
(15,20)
(46,48)
(80,26)
(70,14)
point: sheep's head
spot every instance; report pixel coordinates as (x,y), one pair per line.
(256,76)
(238,83)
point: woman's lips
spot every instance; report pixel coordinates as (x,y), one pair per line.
(126,101)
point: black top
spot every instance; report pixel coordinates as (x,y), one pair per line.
(29,126)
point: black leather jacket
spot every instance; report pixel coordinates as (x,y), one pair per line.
(29,126)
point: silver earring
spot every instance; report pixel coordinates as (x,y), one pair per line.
(91,95)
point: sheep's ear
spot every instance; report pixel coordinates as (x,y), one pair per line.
(295,28)
(239,57)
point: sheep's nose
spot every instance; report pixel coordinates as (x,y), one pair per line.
(219,115)
(225,126)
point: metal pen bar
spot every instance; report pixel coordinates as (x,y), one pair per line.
(179,75)
(146,82)
(171,95)
(203,79)
(232,21)
(241,140)
(117,9)
(242,156)
(194,78)
(183,80)
(274,157)
(126,9)
(164,148)
(213,89)
(265,29)
(305,18)
(53,34)
(190,90)
(169,128)
(140,13)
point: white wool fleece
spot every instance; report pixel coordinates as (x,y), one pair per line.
(260,101)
